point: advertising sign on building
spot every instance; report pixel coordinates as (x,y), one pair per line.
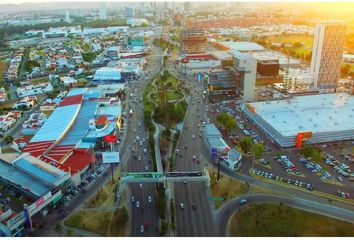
(110,138)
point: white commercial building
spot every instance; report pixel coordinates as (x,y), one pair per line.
(136,21)
(107,75)
(327,55)
(314,118)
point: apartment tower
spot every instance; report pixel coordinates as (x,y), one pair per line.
(327,55)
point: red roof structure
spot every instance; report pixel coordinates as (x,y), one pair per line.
(76,99)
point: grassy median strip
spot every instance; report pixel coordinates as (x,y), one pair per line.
(277,220)
(228,188)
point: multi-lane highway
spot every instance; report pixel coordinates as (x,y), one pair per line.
(198,221)
(143,209)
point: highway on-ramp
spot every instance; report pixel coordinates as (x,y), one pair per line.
(225,213)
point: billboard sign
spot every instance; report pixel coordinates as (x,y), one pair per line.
(110,157)
(110,138)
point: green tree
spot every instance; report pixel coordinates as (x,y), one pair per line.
(69,233)
(8,139)
(230,124)
(58,229)
(258,150)
(246,144)
(307,150)
(317,156)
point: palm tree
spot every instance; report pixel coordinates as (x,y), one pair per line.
(58,229)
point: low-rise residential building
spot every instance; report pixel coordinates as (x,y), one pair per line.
(67,81)
(34,89)
(26,102)
(35,121)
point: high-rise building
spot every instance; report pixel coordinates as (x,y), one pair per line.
(129,12)
(327,55)
(187,6)
(246,65)
(67,16)
(102,12)
(193,41)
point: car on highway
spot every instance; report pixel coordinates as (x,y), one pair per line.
(194,206)
(243,201)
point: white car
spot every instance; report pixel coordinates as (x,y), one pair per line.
(243,201)
(142,228)
(140,185)
(137,204)
(137,138)
(145,150)
(193,136)
(149,199)
(181,205)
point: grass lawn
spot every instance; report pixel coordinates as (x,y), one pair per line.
(40,80)
(3,68)
(105,197)
(273,220)
(229,188)
(293,38)
(8,104)
(107,224)
(174,95)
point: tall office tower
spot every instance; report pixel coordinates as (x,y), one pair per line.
(327,55)
(246,65)
(129,12)
(102,15)
(67,16)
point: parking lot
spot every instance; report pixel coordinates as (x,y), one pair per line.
(330,176)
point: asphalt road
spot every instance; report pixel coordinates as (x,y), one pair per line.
(226,212)
(146,214)
(189,221)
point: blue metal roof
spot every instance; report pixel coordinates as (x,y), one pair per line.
(22,179)
(81,124)
(76,91)
(36,171)
(57,123)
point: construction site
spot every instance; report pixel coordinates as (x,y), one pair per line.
(193,41)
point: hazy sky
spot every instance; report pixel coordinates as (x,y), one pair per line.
(39,1)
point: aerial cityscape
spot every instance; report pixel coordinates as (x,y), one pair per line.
(176,119)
